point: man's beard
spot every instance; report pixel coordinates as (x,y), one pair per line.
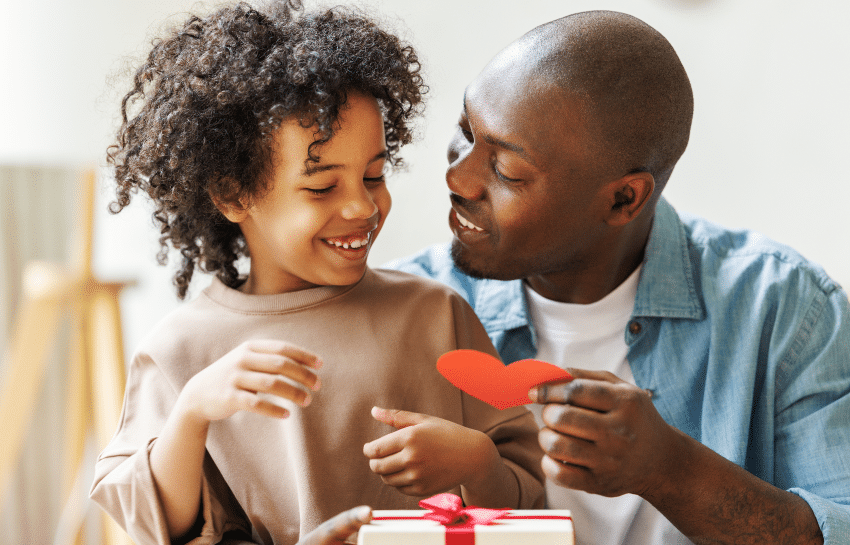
(468,269)
(512,268)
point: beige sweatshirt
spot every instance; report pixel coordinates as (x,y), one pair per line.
(379,340)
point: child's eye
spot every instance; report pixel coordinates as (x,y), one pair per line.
(371,182)
(320,190)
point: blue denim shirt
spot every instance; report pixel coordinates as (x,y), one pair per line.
(744,344)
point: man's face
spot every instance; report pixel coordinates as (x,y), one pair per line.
(526,197)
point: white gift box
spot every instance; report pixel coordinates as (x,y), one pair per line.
(516,527)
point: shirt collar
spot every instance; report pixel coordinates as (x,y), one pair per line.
(667,288)
(501,305)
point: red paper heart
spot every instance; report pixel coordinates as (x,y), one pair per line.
(502,386)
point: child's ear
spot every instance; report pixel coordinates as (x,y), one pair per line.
(234,210)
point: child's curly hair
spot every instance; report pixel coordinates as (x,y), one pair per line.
(212,95)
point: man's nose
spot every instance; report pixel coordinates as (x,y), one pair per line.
(462,176)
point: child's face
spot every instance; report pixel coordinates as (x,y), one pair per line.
(316,224)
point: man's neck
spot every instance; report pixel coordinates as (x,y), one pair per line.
(592,283)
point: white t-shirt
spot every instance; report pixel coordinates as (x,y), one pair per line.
(592,337)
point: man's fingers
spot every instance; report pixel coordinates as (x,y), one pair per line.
(575,421)
(595,394)
(397,418)
(335,530)
(567,449)
(565,474)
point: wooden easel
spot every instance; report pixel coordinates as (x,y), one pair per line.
(51,293)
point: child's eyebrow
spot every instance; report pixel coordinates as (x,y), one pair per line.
(314,168)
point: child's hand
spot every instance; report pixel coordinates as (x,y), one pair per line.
(234,382)
(429,455)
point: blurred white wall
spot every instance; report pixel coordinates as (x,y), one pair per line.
(768,147)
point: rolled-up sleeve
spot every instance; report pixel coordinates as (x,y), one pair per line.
(124,485)
(812,449)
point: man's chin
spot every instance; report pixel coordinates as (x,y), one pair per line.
(464,265)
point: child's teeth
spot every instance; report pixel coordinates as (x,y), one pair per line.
(354,244)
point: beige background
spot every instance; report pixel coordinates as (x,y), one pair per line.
(768,150)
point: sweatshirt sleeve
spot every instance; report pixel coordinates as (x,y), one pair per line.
(513,431)
(124,485)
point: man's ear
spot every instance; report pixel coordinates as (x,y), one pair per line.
(234,210)
(628,196)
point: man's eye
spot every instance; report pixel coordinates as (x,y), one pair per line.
(502,177)
(320,190)
(467,134)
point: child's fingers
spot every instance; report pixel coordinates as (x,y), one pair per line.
(254,403)
(266,383)
(385,446)
(398,418)
(283,348)
(398,479)
(281,365)
(407,483)
(388,465)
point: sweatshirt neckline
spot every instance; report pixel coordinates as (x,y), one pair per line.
(277,303)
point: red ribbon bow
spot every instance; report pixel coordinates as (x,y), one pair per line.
(460,521)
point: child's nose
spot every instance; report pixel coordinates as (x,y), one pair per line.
(359,204)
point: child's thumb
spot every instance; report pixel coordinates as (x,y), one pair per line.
(397,418)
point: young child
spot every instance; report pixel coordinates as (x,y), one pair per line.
(252,412)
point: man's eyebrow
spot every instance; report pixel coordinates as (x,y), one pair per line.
(516,148)
(311,168)
(498,142)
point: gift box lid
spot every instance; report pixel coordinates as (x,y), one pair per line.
(518,526)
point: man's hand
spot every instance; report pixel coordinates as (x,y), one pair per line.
(335,531)
(428,455)
(602,435)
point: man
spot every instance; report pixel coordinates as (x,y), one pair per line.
(712,394)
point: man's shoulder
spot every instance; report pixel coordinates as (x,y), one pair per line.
(750,255)
(428,262)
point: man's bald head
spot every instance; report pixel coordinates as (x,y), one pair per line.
(637,96)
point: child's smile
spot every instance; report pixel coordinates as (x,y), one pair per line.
(350,243)
(317,222)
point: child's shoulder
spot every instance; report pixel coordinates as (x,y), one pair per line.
(181,325)
(406,283)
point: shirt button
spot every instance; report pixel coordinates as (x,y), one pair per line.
(634,328)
